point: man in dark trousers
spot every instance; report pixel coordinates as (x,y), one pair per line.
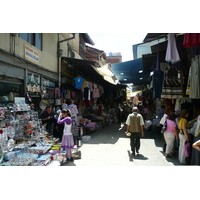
(47,117)
(135,125)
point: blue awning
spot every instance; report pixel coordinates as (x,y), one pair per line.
(131,72)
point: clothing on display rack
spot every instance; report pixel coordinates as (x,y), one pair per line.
(78,82)
(172,54)
(195,81)
(157,84)
(172,88)
(191,40)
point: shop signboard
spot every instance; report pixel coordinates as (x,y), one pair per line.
(19,99)
(31,54)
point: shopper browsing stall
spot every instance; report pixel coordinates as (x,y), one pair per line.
(183,134)
(170,134)
(58,128)
(47,117)
(67,139)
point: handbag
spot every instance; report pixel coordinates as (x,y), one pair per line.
(77,155)
(164,127)
(187,149)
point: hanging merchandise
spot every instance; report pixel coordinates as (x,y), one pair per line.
(78,82)
(172,85)
(195,81)
(32,78)
(96,92)
(197,130)
(188,82)
(57,93)
(172,54)
(191,40)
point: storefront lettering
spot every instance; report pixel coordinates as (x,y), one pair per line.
(31,54)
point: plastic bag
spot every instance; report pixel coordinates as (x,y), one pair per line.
(148,124)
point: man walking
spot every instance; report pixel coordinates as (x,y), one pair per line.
(135,125)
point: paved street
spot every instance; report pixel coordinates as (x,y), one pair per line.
(111,147)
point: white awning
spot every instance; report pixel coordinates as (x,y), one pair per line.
(107,74)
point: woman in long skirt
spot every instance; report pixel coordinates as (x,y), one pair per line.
(183,134)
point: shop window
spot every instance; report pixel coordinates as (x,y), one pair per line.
(70,53)
(33,38)
(9,91)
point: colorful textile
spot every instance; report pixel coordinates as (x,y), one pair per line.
(67,142)
(78,82)
(172,88)
(170,126)
(191,40)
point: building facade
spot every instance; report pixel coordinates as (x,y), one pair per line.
(30,64)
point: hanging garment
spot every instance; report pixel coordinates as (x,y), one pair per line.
(157,59)
(157,84)
(195,81)
(96,93)
(188,82)
(172,54)
(191,40)
(172,85)
(79,81)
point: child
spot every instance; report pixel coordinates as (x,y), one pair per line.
(67,139)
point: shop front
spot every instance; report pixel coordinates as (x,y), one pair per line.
(175,65)
(25,89)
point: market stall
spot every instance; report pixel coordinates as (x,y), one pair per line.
(24,140)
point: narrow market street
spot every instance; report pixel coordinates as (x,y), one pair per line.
(111,147)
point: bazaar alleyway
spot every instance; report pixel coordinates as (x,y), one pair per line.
(111,147)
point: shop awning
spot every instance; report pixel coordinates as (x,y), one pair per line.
(107,74)
(74,62)
(90,70)
(149,61)
(154,36)
(131,72)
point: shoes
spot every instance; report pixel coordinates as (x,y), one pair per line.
(137,152)
(173,153)
(71,159)
(133,154)
(167,156)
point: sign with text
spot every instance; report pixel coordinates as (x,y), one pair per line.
(31,54)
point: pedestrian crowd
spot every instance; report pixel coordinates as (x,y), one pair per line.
(178,139)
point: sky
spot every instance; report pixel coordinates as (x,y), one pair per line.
(117,42)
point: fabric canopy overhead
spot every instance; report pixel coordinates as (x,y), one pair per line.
(131,72)
(90,70)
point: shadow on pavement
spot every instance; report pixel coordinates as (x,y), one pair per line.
(137,156)
(68,164)
(108,135)
(130,156)
(140,157)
